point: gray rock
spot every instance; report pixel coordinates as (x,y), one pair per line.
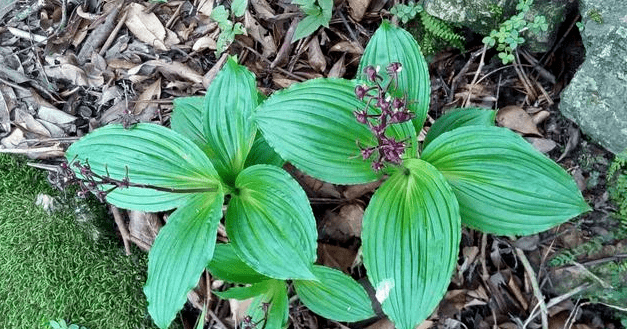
(596,97)
(483,16)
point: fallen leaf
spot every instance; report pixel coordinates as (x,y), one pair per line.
(205,7)
(343,225)
(168,69)
(543,145)
(152,91)
(28,123)
(143,227)
(315,55)
(205,42)
(357,8)
(515,118)
(5,119)
(69,72)
(146,26)
(14,140)
(347,47)
(338,69)
(356,191)
(336,257)
(260,34)
(540,116)
(55,116)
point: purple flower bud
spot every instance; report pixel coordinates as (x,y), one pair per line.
(367,152)
(393,69)
(361,91)
(400,116)
(64,166)
(371,73)
(383,105)
(397,103)
(361,116)
(378,130)
(377,166)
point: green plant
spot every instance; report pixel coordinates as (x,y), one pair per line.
(508,37)
(213,150)
(617,187)
(432,33)
(354,131)
(61,324)
(595,15)
(228,29)
(317,13)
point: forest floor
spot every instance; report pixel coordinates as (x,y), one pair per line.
(68,69)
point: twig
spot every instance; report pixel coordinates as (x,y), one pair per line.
(474,79)
(536,288)
(286,46)
(622,309)
(63,17)
(282,70)
(603,284)
(524,79)
(117,216)
(463,72)
(559,43)
(484,245)
(555,301)
(28,36)
(216,319)
(113,34)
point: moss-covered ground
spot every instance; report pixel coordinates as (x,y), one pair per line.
(54,266)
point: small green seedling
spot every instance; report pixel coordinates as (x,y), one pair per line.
(61,324)
(228,29)
(317,13)
(508,37)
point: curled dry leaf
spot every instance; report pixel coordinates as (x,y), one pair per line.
(14,140)
(260,34)
(146,26)
(336,257)
(347,47)
(152,91)
(316,57)
(517,119)
(204,42)
(143,228)
(168,69)
(539,117)
(28,123)
(338,69)
(205,7)
(73,74)
(345,224)
(357,8)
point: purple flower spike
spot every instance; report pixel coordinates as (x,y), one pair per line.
(383,105)
(361,91)
(393,69)
(371,73)
(361,116)
(377,166)
(367,152)
(378,130)
(398,104)
(400,116)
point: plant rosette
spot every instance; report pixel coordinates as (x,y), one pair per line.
(468,170)
(213,150)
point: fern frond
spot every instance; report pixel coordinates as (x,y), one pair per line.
(441,29)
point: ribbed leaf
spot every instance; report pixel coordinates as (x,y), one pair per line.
(460,117)
(276,313)
(179,255)
(150,154)
(246,292)
(187,118)
(227,266)
(262,153)
(308,25)
(335,296)
(312,125)
(411,235)
(229,131)
(271,224)
(504,186)
(393,44)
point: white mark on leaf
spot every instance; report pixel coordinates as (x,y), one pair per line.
(383,289)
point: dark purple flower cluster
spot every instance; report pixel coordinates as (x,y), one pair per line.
(391,110)
(89,180)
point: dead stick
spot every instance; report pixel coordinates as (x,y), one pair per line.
(286,46)
(474,79)
(536,287)
(113,34)
(123,231)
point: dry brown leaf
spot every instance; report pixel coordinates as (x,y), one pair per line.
(71,73)
(143,228)
(55,116)
(336,257)
(542,144)
(357,8)
(260,34)
(345,224)
(28,123)
(315,55)
(384,323)
(263,9)
(171,38)
(152,91)
(205,42)
(5,119)
(205,7)
(338,69)
(347,47)
(539,117)
(14,140)
(356,191)
(517,119)
(146,26)
(167,69)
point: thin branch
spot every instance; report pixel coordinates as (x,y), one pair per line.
(536,288)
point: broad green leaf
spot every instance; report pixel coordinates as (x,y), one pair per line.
(226,265)
(460,117)
(392,44)
(308,26)
(271,310)
(335,296)
(220,14)
(327,11)
(246,292)
(262,153)
(503,185)
(238,7)
(312,125)
(150,154)
(411,234)
(271,224)
(180,253)
(187,114)
(229,131)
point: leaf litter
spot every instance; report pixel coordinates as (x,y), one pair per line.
(60,80)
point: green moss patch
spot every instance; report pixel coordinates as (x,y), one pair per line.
(51,267)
